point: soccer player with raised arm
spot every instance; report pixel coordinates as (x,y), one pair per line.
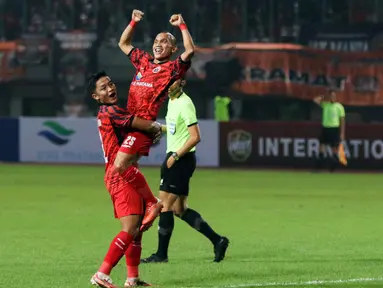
(113,123)
(148,90)
(178,167)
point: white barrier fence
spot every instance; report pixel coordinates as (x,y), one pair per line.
(67,140)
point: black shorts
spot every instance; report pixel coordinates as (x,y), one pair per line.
(176,179)
(330,136)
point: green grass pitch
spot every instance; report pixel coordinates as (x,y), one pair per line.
(285,227)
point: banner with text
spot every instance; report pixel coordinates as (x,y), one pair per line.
(71,140)
(301,72)
(295,145)
(59,140)
(355,37)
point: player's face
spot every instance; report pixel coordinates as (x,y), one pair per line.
(163,47)
(332,96)
(106,91)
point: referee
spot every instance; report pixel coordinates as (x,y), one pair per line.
(333,128)
(182,136)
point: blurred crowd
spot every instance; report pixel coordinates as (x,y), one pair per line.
(46,16)
(211,21)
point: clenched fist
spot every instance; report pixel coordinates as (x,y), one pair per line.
(176,20)
(137,15)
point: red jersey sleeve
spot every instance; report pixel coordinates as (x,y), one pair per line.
(137,55)
(120,117)
(179,68)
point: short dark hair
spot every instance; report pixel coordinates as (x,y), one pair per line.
(92,80)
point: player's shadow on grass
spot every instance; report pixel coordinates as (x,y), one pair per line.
(199,260)
(213,278)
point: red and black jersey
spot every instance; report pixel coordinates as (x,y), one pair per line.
(113,123)
(149,87)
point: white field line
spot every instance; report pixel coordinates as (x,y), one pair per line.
(293,284)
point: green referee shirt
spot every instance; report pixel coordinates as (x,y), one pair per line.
(332,112)
(181,114)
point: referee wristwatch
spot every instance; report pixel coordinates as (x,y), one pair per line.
(175,156)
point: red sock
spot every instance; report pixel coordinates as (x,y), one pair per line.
(116,250)
(133,256)
(138,181)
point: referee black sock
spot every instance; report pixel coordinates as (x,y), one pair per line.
(195,220)
(334,162)
(165,230)
(320,160)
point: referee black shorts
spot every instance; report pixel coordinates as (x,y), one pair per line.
(176,179)
(330,136)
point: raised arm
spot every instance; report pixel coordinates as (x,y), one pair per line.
(318,100)
(177,20)
(125,43)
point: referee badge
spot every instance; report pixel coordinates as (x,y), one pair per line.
(172,128)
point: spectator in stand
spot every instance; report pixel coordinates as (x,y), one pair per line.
(74,108)
(230,21)
(12,19)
